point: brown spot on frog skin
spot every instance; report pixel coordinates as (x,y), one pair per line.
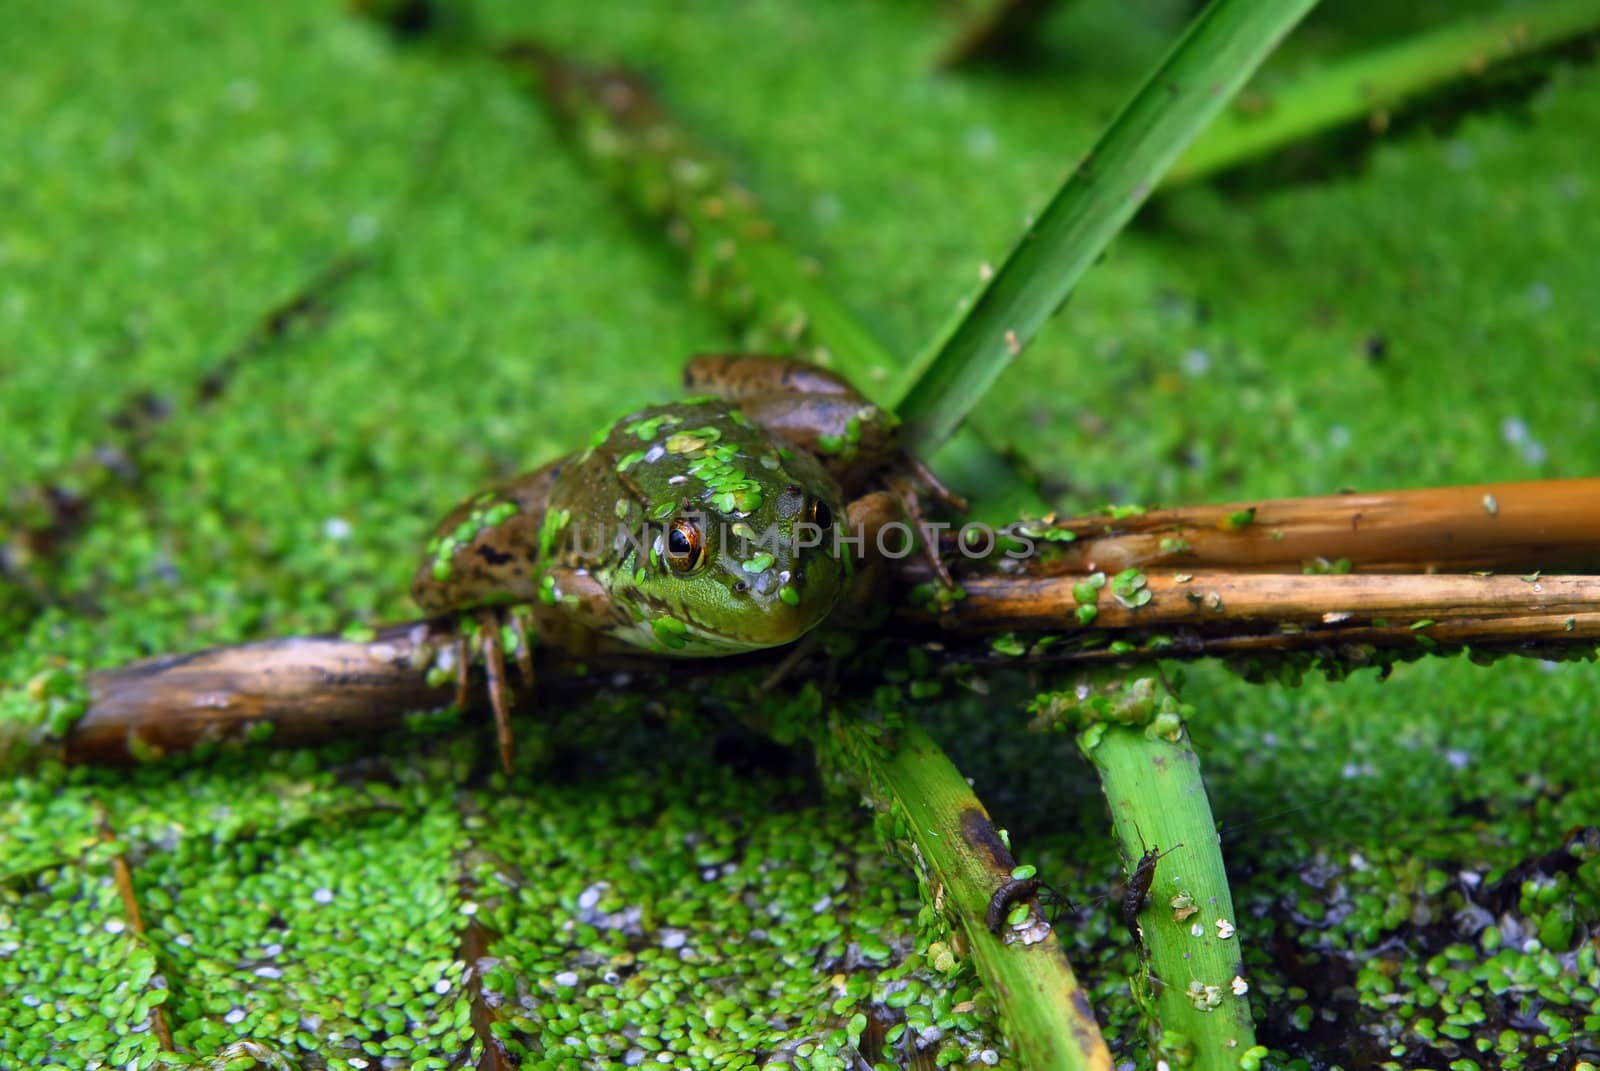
(739,376)
(492,555)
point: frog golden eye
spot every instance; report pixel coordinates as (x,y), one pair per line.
(818,513)
(686,549)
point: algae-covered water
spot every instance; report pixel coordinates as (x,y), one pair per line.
(1413,312)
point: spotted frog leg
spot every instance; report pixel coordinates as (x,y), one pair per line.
(466,555)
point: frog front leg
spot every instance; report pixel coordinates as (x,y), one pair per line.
(487,623)
(483,555)
(494,671)
(572,630)
(571,607)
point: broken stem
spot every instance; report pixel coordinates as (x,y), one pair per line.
(1552,525)
(307,690)
(964,863)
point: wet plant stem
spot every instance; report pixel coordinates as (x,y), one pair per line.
(1371,85)
(930,813)
(306,690)
(1287,601)
(1191,987)
(1226,42)
(1516,526)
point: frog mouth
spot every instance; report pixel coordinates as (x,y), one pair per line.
(783,628)
(780,623)
(738,612)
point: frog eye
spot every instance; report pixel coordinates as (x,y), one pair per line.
(818,513)
(686,549)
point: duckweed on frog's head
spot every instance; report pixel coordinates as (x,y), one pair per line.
(701,527)
(727,537)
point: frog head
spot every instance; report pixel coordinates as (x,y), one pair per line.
(736,541)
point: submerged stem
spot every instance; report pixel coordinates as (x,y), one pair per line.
(741,266)
(1371,84)
(965,864)
(1192,989)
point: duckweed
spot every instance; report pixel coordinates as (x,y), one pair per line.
(309,906)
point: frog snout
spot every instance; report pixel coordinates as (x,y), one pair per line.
(791,601)
(767,589)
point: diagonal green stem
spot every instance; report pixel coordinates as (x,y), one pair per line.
(934,816)
(1381,79)
(1225,44)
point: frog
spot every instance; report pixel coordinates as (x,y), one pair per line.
(736,519)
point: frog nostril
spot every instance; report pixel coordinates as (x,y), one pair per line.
(741,586)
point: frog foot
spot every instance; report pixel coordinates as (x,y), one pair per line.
(490,623)
(928,483)
(911,482)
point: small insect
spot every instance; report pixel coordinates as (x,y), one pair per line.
(1010,892)
(1056,904)
(1139,882)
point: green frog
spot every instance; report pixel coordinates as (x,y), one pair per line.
(730,521)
